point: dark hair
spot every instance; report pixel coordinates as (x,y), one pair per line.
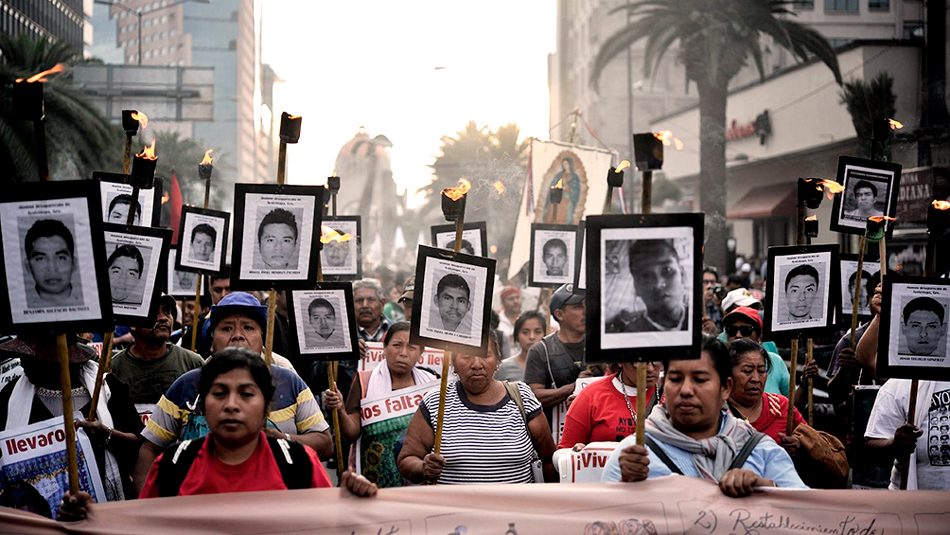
(495,344)
(320,303)
(225,273)
(397,327)
(650,248)
(923,303)
(204,228)
(801,269)
(722,360)
(864,184)
(864,276)
(741,346)
(125,198)
(735,279)
(234,358)
(48,228)
(714,271)
(551,244)
(527,315)
(466,245)
(453,281)
(274,217)
(130,251)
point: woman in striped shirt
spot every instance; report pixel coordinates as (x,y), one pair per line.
(485,438)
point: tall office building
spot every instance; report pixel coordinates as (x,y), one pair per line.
(48,19)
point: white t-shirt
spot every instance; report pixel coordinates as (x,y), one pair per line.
(932,457)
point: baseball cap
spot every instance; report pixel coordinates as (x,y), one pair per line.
(408,289)
(238,303)
(743,312)
(739,297)
(565,295)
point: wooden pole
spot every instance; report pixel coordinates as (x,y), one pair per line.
(857,290)
(645,207)
(272,295)
(105,364)
(811,394)
(127,161)
(914,383)
(194,318)
(337,439)
(72,463)
(440,422)
(793,365)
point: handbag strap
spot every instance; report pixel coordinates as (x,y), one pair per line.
(746,450)
(515,395)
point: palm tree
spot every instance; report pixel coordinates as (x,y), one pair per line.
(80,139)
(715,39)
(867,103)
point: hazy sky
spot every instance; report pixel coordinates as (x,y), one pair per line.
(373,64)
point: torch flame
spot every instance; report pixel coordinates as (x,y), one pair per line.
(813,217)
(666,136)
(294,117)
(895,124)
(941,205)
(148,152)
(879,218)
(499,187)
(141,118)
(623,165)
(559,185)
(831,187)
(328,235)
(207,159)
(40,77)
(165,197)
(458,192)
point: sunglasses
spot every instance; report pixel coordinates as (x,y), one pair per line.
(745,330)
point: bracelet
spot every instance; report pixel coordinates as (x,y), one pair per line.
(287,436)
(108,437)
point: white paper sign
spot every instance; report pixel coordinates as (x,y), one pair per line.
(585,465)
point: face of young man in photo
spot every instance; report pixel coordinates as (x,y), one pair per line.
(335,253)
(51,265)
(278,246)
(202,245)
(864,197)
(554,260)
(923,332)
(800,294)
(323,321)
(120,215)
(453,305)
(124,276)
(659,283)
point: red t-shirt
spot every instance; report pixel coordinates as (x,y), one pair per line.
(209,475)
(774,416)
(599,414)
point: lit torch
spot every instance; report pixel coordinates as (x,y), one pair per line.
(143,167)
(329,235)
(206,166)
(876,231)
(132,120)
(453,200)
(28,95)
(667,138)
(810,192)
(938,218)
(648,152)
(895,124)
(831,187)
(615,174)
(555,196)
(499,187)
(811,226)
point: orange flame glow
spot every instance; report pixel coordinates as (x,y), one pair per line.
(141,118)
(458,192)
(623,165)
(148,152)
(895,124)
(165,197)
(666,136)
(41,77)
(207,159)
(813,217)
(328,235)
(499,187)
(559,185)
(879,218)
(941,205)
(831,187)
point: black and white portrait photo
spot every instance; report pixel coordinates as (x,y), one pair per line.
(324,321)
(805,288)
(276,231)
(474,238)
(52,255)
(552,254)
(134,262)
(648,275)
(870,189)
(180,283)
(117,201)
(452,299)
(340,256)
(203,237)
(864,282)
(914,328)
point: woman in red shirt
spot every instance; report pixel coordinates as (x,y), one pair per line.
(767,412)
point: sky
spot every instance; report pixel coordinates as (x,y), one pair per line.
(413,71)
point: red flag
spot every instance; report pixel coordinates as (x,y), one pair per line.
(175,208)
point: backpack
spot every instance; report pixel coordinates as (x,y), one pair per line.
(291,457)
(740,459)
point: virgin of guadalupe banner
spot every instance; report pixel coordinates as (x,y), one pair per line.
(581,172)
(384,419)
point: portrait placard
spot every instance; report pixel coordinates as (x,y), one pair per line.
(804,296)
(53,257)
(179,283)
(870,276)
(324,321)
(342,254)
(275,233)
(203,240)
(116,194)
(474,238)
(913,340)
(552,255)
(453,303)
(580,257)
(137,263)
(643,298)
(870,189)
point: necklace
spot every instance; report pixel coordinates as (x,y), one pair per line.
(623,389)
(737,412)
(50,393)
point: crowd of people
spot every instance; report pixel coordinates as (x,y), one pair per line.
(217,419)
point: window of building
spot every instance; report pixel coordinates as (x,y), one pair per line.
(171,33)
(161,35)
(804,4)
(913,30)
(882,5)
(155,5)
(842,5)
(164,19)
(148,39)
(148,54)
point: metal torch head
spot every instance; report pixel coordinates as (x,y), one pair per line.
(880,129)
(648,152)
(333,182)
(28,104)
(130,124)
(615,177)
(810,192)
(290,127)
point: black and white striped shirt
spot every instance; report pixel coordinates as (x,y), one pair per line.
(483,443)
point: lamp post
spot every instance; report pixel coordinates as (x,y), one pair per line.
(138,14)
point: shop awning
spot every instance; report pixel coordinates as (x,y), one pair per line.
(777,200)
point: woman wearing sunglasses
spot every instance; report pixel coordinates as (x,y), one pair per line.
(744,322)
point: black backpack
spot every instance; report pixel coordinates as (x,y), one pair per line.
(736,463)
(292,460)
